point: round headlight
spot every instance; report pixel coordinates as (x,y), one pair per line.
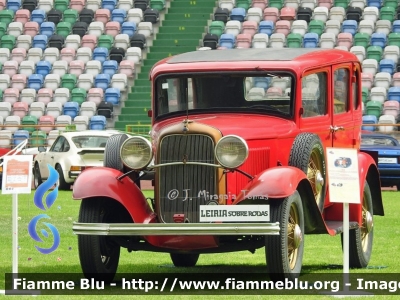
(136,152)
(231,151)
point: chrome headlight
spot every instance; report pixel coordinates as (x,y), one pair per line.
(136,152)
(231,151)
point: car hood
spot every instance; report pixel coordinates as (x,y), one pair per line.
(247,126)
(393,150)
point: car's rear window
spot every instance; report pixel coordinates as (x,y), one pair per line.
(370,141)
(90,141)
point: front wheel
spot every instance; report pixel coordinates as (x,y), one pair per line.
(360,239)
(37,178)
(284,252)
(184,259)
(99,255)
(62,184)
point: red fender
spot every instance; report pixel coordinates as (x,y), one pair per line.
(102,182)
(277,182)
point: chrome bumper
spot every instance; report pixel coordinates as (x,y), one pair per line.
(176,229)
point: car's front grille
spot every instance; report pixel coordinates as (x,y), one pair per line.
(182,187)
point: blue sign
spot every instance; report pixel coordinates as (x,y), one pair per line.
(38,201)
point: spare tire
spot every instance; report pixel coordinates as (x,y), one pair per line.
(308,155)
(112,154)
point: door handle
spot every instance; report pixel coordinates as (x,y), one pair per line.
(336,128)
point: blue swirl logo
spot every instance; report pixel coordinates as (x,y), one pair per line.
(38,201)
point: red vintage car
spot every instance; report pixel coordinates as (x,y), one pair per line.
(237,157)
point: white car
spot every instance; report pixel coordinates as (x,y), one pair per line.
(70,154)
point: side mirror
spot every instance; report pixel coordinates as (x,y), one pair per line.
(42,149)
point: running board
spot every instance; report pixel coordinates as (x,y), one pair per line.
(337,226)
(129,229)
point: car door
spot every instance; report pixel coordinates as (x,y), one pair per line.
(51,156)
(342,108)
(314,113)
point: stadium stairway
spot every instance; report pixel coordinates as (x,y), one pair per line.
(182,28)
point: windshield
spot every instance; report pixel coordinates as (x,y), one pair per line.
(386,141)
(270,93)
(90,141)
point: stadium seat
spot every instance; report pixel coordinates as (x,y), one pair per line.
(67,54)
(109,4)
(374,108)
(68,81)
(387,13)
(78,95)
(327,41)
(391,107)
(38,138)
(389,120)
(20,109)
(136,15)
(105,109)
(227,40)
(266,27)
(277,40)
(366,26)
(62,121)
(29,120)
(151,15)
(394,93)
(54,16)
(260,40)
(387,66)
(378,94)
(255,14)
(100,54)
(93,67)
(138,40)
(12,123)
(44,95)
(383,26)
(233,27)
(37,109)
(367,80)
(71,109)
(271,14)
(76,67)
(88,109)
(73,41)
(28,96)
(54,109)
(5,109)
(370,66)
(11,95)
(382,79)
(112,95)
(95,95)
(5,138)
(310,40)
(374,52)
(52,81)
(102,81)
(250,27)
(98,123)
(89,41)
(61,95)
(354,13)
(238,14)
(84,54)
(81,122)
(283,26)
(396,79)
(299,27)
(18,55)
(19,136)
(128,28)
(10,68)
(350,26)
(29,5)
(122,41)
(116,54)
(80,28)
(321,13)
(35,81)
(294,40)
(127,67)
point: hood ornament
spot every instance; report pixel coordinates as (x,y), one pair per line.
(186,124)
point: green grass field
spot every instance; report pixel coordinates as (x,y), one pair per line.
(322,252)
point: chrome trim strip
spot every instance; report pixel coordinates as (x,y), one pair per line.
(176,229)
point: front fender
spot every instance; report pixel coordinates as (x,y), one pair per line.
(277,182)
(103,182)
(369,171)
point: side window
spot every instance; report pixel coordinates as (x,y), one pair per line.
(340,89)
(354,89)
(314,94)
(58,145)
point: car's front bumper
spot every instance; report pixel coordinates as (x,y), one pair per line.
(129,229)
